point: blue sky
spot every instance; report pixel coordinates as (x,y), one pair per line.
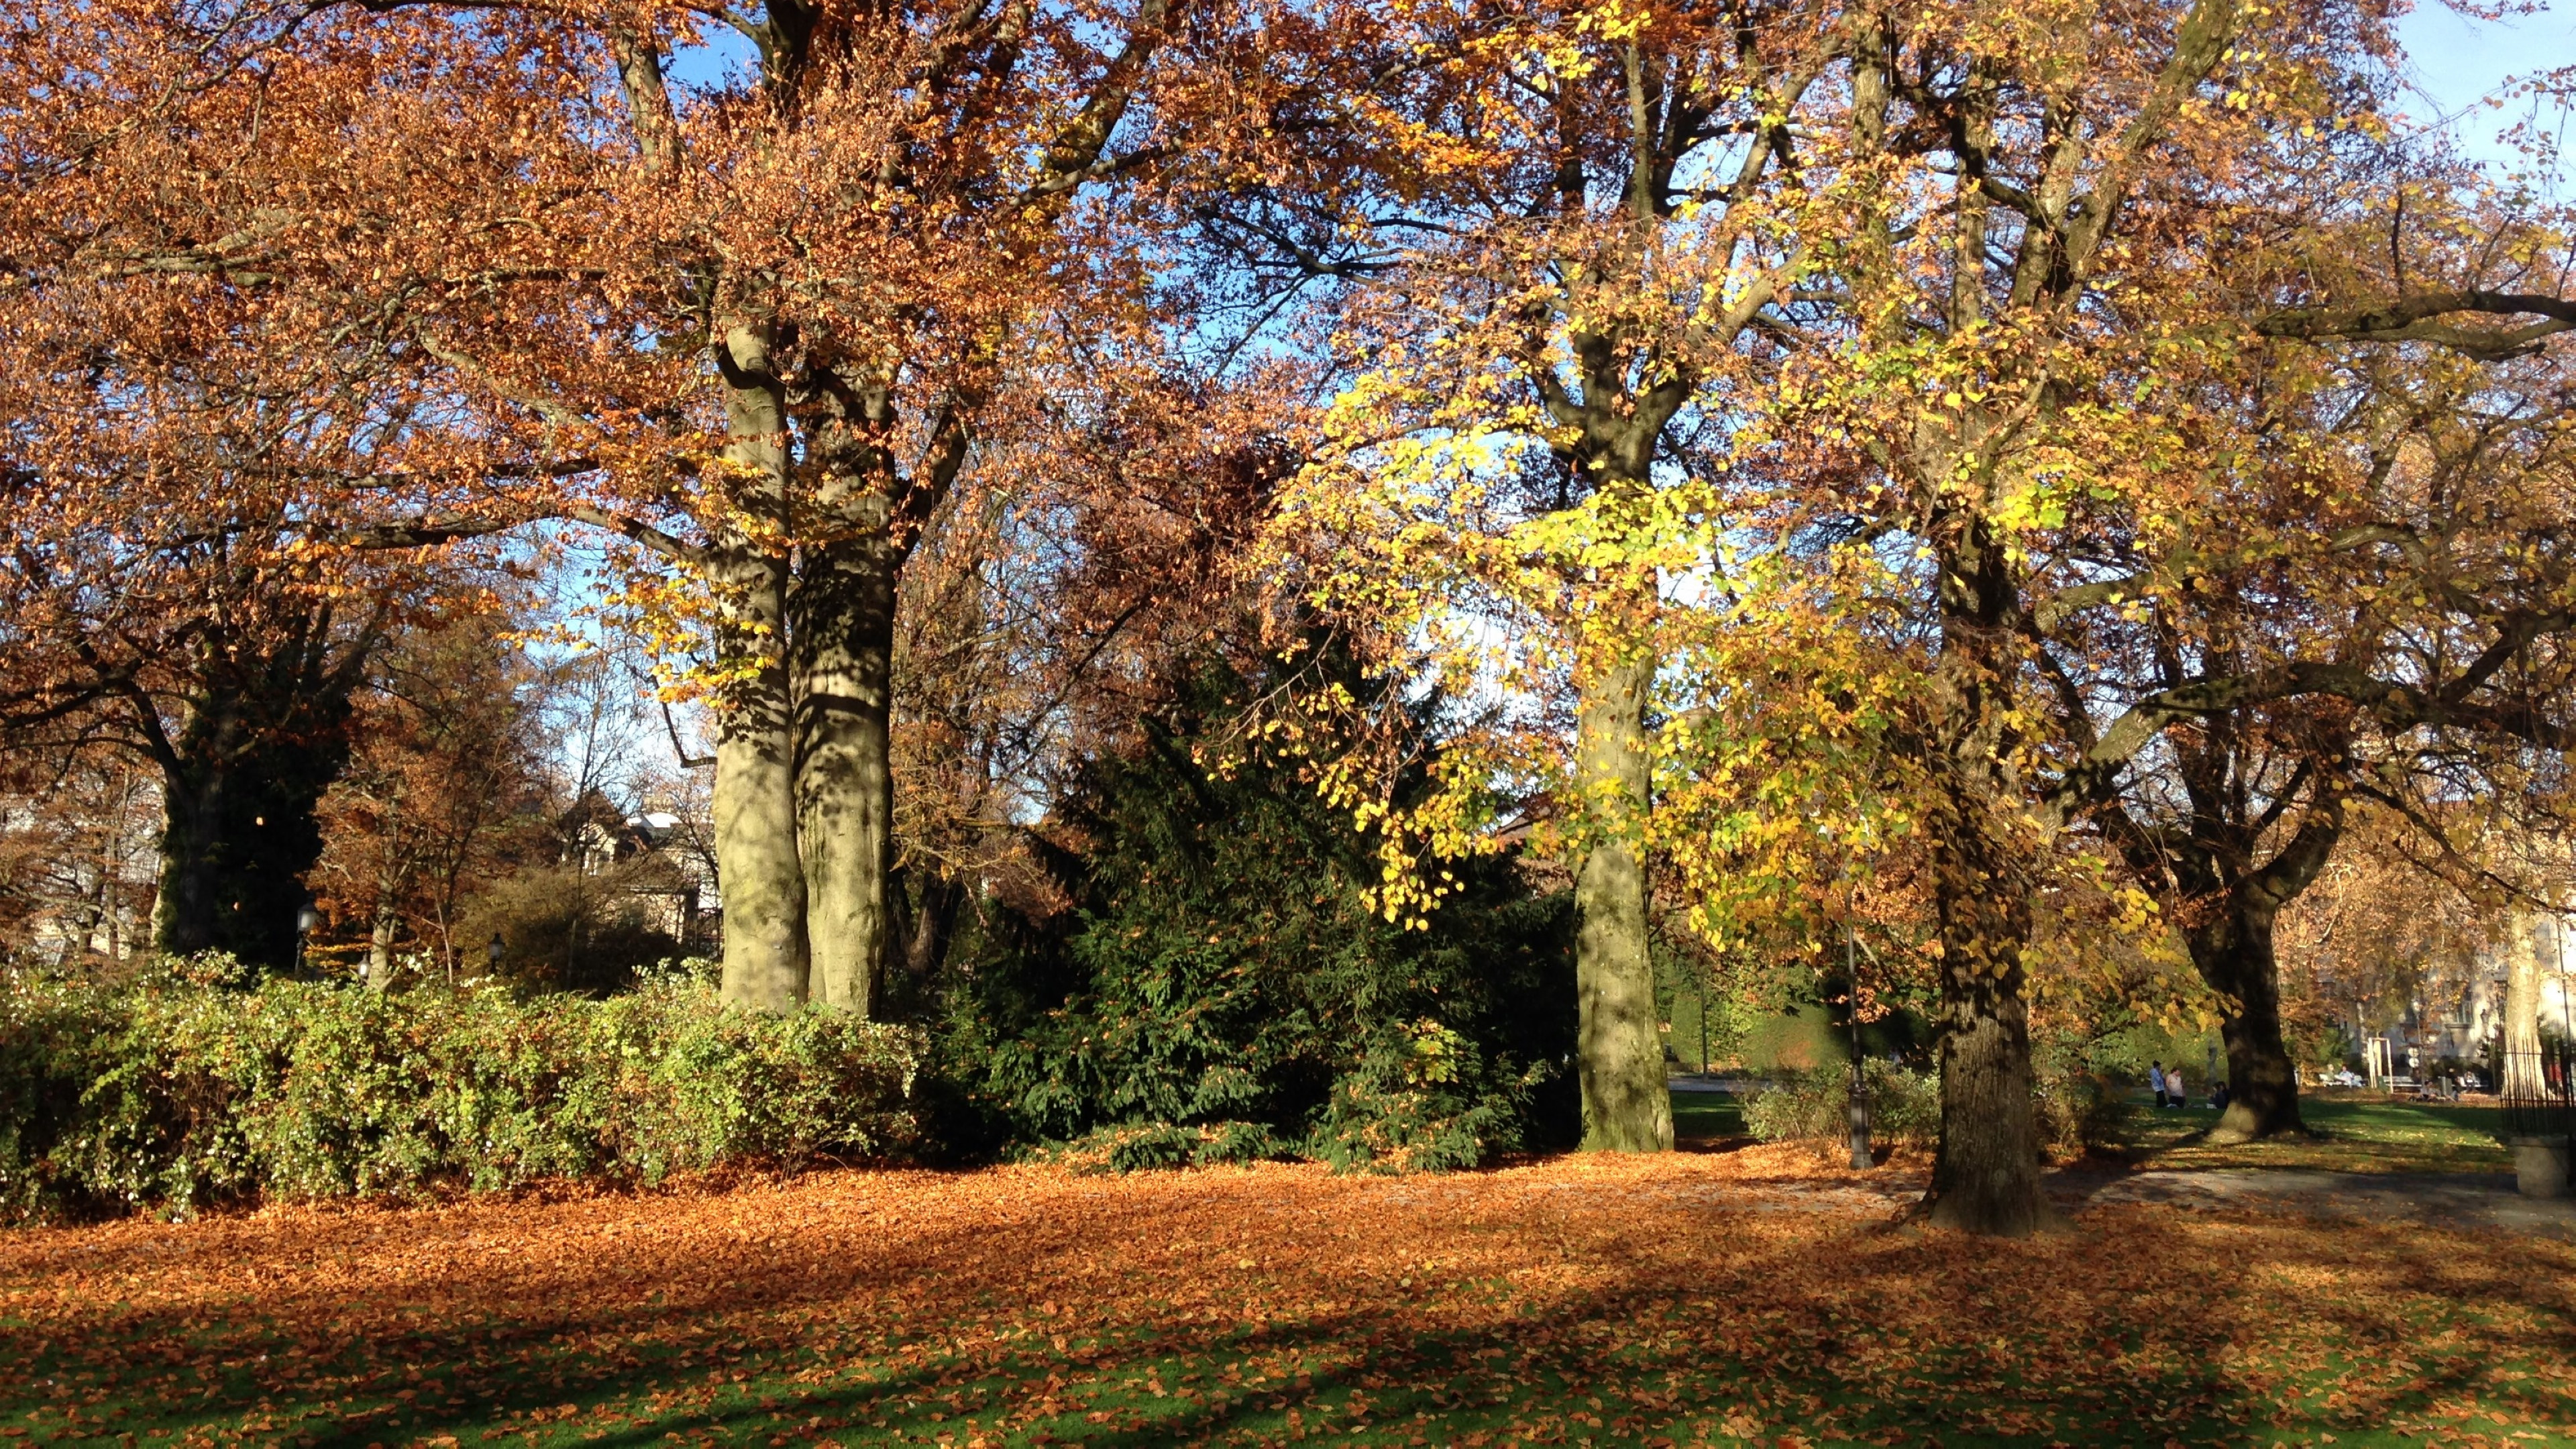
(2456,62)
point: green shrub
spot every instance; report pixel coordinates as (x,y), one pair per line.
(2073,1110)
(1811,1106)
(184,1091)
(1215,976)
(2080,1110)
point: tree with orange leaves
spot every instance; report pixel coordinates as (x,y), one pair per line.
(759,329)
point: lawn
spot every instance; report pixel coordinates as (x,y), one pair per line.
(1716,1296)
(1706,1114)
(2356,1132)
(2353,1132)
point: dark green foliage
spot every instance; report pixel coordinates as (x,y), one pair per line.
(1218,990)
(176,1093)
(1812,1105)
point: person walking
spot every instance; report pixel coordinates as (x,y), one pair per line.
(2156,1079)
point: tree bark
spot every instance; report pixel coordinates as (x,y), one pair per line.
(844,778)
(1985,1174)
(926,932)
(1619,1054)
(388,917)
(758,868)
(2522,1074)
(380,944)
(2229,909)
(2235,954)
(241,788)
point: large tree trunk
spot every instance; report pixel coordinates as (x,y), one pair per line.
(238,841)
(2235,954)
(2231,944)
(844,779)
(1619,1053)
(1985,1175)
(757,864)
(241,789)
(2522,1075)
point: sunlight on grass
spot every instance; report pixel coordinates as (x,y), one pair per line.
(2356,1133)
(1689,1298)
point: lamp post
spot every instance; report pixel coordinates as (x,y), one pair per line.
(306,918)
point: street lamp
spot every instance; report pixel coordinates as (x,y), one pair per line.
(306,918)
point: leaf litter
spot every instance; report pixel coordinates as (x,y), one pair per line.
(1699,1298)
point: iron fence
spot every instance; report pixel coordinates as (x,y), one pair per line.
(2538,1092)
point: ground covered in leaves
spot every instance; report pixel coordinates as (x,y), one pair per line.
(1712,1296)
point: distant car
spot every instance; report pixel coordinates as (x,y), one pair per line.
(2346,1078)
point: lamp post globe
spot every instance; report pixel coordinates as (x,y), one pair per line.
(306,919)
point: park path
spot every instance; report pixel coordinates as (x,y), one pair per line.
(2446,1200)
(2454,1201)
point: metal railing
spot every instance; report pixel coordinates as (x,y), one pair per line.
(2538,1092)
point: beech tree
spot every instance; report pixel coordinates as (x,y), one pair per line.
(1571,223)
(1967,322)
(193,461)
(2105,224)
(758,330)
(226,670)
(2424,617)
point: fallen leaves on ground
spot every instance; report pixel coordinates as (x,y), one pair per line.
(1715,1297)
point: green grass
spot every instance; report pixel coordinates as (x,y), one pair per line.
(1698,1115)
(2354,1132)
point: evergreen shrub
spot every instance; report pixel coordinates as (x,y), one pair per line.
(1214,986)
(187,1089)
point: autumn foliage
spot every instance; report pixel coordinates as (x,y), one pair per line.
(1987,488)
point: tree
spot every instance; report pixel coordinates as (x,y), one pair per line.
(2438,564)
(758,332)
(447,788)
(225,665)
(1570,223)
(1196,974)
(2000,264)
(190,471)
(2067,239)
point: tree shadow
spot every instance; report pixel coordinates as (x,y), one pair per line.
(1667,1306)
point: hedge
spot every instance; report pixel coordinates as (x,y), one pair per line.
(182,1091)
